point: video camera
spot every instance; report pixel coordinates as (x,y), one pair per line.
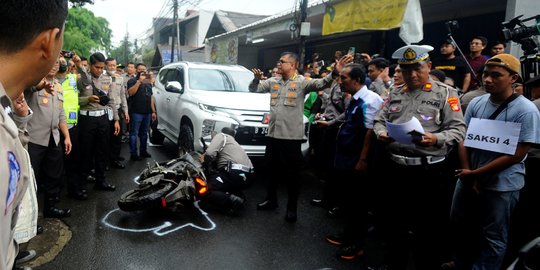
(522,34)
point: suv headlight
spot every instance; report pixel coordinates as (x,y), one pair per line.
(207,108)
(207,127)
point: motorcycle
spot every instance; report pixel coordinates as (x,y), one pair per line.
(173,185)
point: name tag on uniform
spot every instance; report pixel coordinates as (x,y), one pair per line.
(493,135)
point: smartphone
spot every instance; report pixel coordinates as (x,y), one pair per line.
(351,51)
(67,54)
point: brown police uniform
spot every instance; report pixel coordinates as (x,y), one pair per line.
(14,176)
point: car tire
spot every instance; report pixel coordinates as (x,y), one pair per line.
(185,140)
(156,137)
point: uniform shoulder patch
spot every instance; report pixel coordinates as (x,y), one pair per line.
(14,176)
(454,104)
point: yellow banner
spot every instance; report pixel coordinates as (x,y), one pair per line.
(352,15)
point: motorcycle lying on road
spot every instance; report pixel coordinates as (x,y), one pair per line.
(174,185)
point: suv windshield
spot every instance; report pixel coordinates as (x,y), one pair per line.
(220,80)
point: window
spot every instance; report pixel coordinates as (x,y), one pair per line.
(220,80)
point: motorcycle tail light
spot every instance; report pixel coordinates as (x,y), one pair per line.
(202,185)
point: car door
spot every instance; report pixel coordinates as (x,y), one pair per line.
(160,94)
(173,99)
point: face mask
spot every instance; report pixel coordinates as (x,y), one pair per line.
(111,72)
(62,68)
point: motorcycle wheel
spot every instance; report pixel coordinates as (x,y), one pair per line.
(144,198)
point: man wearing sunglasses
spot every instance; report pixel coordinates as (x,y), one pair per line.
(286,128)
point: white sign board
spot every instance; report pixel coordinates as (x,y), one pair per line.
(493,135)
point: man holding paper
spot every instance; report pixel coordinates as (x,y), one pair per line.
(418,207)
(501,128)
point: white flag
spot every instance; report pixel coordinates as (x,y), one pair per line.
(412,26)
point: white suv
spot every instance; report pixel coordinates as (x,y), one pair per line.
(194,99)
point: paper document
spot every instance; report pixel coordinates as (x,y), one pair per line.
(403,133)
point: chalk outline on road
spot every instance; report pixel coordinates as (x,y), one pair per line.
(158,230)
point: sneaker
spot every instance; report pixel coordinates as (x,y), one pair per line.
(336,239)
(350,252)
(25,256)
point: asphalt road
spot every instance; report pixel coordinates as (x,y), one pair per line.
(104,237)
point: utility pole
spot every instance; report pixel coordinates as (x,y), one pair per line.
(175,20)
(302,44)
(178,38)
(126,61)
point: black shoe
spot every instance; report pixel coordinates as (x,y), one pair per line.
(120,158)
(25,256)
(118,164)
(236,204)
(53,212)
(79,195)
(290,216)
(39,229)
(350,252)
(90,179)
(335,239)
(104,186)
(334,212)
(135,158)
(145,155)
(267,205)
(317,202)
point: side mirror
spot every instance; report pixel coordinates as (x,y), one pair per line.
(174,86)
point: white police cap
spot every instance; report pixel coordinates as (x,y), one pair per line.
(412,54)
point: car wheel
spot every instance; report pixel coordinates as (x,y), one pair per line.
(185,140)
(156,137)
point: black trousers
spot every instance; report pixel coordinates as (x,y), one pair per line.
(353,187)
(284,160)
(116,141)
(72,163)
(222,184)
(416,214)
(94,140)
(47,162)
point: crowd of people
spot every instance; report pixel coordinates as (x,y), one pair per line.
(445,192)
(448,192)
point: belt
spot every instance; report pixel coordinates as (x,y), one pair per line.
(92,113)
(415,161)
(240,167)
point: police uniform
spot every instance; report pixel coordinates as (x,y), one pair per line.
(234,169)
(409,203)
(285,134)
(76,181)
(15,173)
(94,125)
(118,89)
(44,147)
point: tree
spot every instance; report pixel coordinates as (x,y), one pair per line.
(81,3)
(86,33)
(123,50)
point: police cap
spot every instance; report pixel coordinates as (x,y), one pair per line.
(412,55)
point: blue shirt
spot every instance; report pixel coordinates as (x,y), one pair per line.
(520,110)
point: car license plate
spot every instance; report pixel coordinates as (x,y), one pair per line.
(260,131)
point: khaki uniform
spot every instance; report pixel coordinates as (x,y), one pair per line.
(103,83)
(118,89)
(287,103)
(378,86)
(15,174)
(225,148)
(437,108)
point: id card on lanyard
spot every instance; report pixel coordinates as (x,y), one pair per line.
(493,135)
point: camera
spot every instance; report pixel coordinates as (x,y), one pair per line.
(67,54)
(522,34)
(104,100)
(451,26)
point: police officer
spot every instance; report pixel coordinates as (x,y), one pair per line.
(97,108)
(41,42)
(75,180)
(119,94)
(232,171)
(418,175)
(44,147)
(286,129)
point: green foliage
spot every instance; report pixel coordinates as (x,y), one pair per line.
(80,3)
(86,33)
(123,50)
